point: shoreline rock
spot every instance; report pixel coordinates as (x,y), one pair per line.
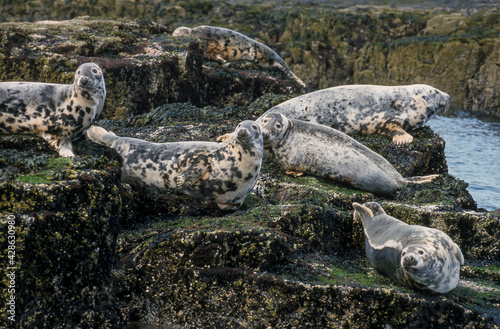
(94,252)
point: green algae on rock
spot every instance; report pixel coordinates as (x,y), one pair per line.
(143,65)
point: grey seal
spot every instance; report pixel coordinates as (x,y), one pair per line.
(418,257)
(368,109)
(304,147)
(227,45)
(216,172)
(59,113)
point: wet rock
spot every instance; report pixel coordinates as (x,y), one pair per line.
(143,66)
(94,252)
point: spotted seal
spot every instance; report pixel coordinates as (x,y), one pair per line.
(418,257)
(227,45)
(218,172)
(304,147)
(59,113)
(368,109)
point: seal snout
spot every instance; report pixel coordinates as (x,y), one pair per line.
(410,261)
(84,80)
(243,132)
(444,100)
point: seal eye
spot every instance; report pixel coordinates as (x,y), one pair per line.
(94,71)
(254,127)
(79,72)
(278,125)
(420,252)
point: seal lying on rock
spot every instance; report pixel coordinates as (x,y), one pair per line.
(219,172)
(368,109)
(304,147)
(411,255)
(57,112)
(228,45)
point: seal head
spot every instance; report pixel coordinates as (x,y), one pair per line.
(59,113)
(415,256)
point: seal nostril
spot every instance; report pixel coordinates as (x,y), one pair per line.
(84,80)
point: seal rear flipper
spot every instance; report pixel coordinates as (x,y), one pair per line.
(361,212)
(375,208)
(101,136)
(420,179)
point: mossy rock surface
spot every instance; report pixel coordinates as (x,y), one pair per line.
(96,253)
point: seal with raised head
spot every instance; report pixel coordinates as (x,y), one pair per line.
(415,256)
(368,109)
(225,45)
(59,113)
(304,147)
(216,172)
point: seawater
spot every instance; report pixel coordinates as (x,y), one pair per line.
(472,152)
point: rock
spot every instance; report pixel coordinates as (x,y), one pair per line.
(143,66)
(93,252)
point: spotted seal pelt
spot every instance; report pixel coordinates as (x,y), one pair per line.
(368,109)
(227,45)
(59,113)
(411,255)
(304,147)
(218,172)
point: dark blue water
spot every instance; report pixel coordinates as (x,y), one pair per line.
(473,153)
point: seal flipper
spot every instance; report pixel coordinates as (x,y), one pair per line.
(375,208)
(195,170)
(420,179)
(363,213)
(398,134)
(102,136)
(226,137)
(63,146)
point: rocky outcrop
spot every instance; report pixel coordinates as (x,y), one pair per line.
(143,66)
(455,52)
(92,252)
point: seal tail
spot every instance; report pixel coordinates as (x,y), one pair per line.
(420,179)
(101,136)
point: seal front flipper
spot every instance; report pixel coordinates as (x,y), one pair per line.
(294,173)
(62,145)
(399,135)
(196,169)
(226,137)
(230,206)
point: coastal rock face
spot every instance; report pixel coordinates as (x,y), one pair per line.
(92,252)
(455,52)
(143,66)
